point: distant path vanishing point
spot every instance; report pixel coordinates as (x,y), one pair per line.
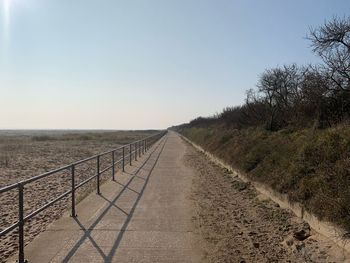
(145,216)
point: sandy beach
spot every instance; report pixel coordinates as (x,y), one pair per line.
(24,155)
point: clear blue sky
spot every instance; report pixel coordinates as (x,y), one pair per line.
(143,64)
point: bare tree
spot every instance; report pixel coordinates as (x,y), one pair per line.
(331,42)
(279,88)
(315,92)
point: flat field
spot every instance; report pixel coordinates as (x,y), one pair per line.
(27,153)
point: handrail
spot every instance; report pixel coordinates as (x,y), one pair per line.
(140,147)
(8,188)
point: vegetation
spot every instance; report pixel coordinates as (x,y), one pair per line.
(292,132)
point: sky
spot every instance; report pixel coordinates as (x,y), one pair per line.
(93,64)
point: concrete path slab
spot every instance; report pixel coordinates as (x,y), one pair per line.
(145,216)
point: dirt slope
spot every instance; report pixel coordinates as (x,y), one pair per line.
(239,225)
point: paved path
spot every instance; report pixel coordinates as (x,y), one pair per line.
(143,217)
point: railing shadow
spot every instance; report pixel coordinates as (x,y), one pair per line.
(112,203)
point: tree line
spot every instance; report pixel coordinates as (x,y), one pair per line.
(299,96)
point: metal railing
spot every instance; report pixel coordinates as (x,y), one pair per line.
(134,150)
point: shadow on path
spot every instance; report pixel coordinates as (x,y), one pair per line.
(112,203)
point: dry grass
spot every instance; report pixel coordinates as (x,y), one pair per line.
(311,166)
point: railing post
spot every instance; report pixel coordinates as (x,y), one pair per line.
(130,154)
(20,224)
(139,144)
(123,162)
(135,151)
(113,166)
(73,214)
(98,174)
